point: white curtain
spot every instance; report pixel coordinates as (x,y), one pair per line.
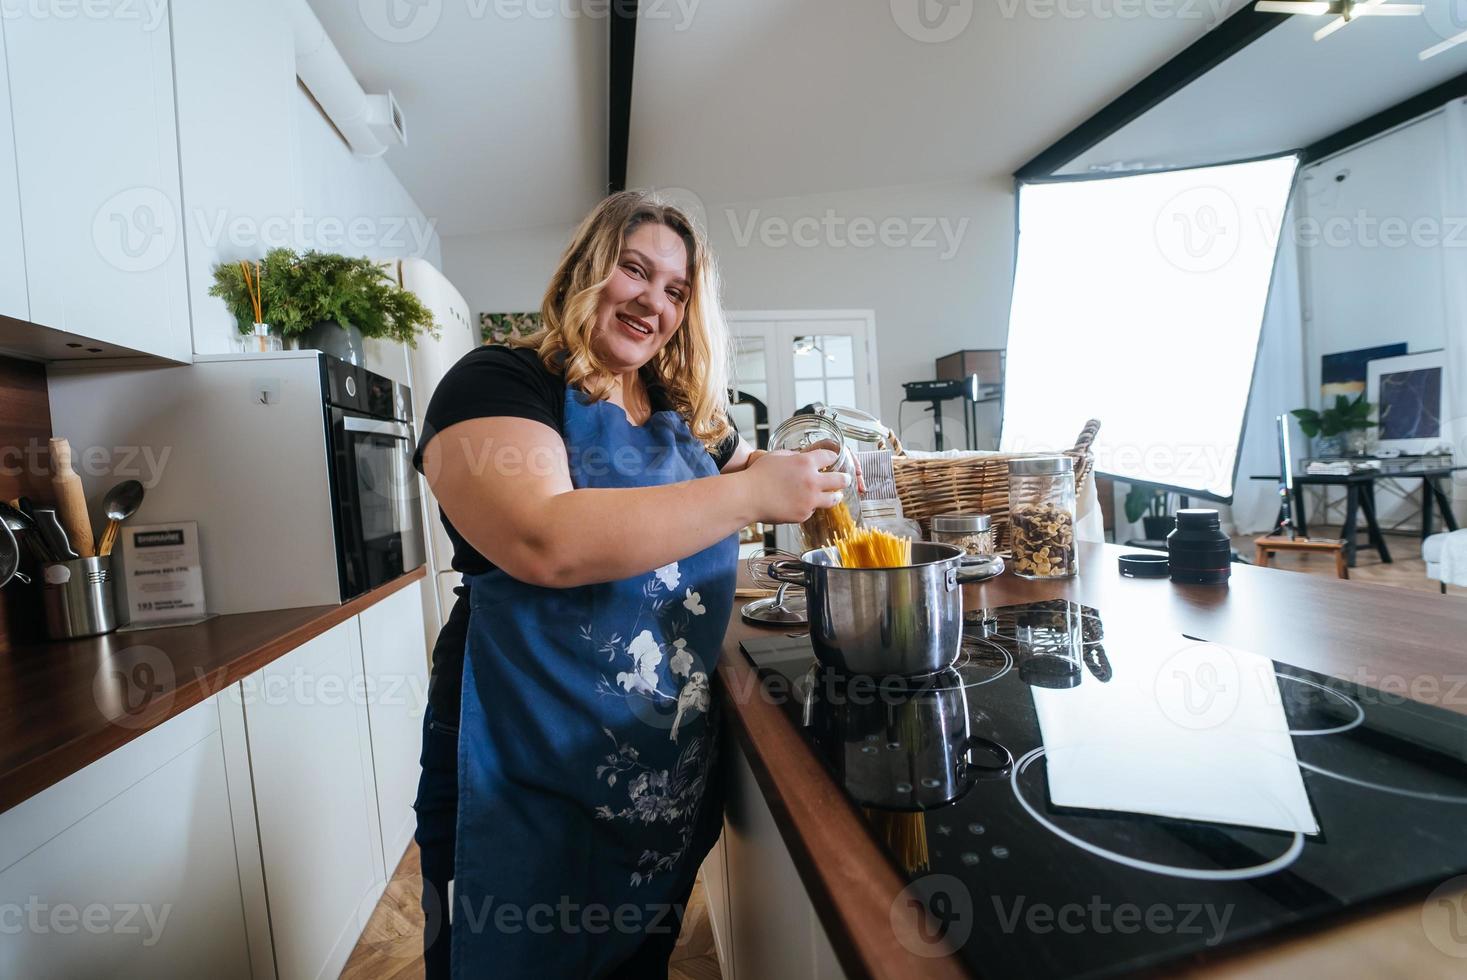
(1278,387)
(1454,265)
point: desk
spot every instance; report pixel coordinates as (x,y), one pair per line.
(1360,498)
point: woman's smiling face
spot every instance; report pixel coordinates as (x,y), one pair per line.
(642,305)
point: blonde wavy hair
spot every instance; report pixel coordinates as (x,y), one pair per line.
(692,367)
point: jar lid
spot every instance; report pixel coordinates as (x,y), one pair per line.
(854,423)
(961,522)
(1042,465)
(800,431)
(1144,565)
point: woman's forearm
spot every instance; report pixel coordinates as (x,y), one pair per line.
(601,535)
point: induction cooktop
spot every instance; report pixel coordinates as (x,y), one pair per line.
(1083,796)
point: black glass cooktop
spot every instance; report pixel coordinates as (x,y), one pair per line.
(1084,796)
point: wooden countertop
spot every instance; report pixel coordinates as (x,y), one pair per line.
(1392,639)
(64,705)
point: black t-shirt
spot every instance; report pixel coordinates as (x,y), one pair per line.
(495,381)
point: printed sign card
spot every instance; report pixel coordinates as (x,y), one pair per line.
(163,579)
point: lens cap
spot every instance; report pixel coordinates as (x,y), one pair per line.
(1143,566)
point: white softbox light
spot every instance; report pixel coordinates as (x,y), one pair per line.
(1138,301)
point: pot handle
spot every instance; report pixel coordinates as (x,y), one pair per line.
(1003,759)
(790,571)
(952,578)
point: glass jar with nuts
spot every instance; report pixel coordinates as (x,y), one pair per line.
(1042,516)
(971,532)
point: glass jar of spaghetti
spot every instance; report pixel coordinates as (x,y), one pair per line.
(827,524)
(1042,516)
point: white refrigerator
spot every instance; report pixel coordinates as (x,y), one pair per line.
(427,363)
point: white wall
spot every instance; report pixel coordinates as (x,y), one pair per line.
(504,271)
(262,166)
(1361,288)
(1372,250)
(939,281)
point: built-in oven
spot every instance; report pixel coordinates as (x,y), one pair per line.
(374,488)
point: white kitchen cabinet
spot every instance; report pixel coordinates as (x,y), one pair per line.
(715,886)
(396,672)
(13,301)
(771,930)
(96,154)
(234,62)
(314,801)
(127,868)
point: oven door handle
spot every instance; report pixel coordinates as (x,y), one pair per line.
(376,427)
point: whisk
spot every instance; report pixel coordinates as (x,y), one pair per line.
(760,562)
(787,605)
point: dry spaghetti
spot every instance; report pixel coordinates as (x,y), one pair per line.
(905,834)
(827,526)
(873,548)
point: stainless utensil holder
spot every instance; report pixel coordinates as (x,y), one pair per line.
(77,597)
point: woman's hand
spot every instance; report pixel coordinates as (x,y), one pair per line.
(834,447)
(787,487)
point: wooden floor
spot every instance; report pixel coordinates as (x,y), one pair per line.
(391,946)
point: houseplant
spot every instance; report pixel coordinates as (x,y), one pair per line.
(322,300)
(1341,426)
(1152,507)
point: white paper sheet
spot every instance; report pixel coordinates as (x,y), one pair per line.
(1182,729)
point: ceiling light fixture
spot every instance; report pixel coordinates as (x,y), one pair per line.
(1345,11)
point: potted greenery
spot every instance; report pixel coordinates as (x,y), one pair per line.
(326,301)
(1152,507)
(1338,428)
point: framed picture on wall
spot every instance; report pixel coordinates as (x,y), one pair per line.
(1346,372)
(1407,392)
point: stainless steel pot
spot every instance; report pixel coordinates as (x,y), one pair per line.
(882,621)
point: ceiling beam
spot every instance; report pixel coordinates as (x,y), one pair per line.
(1401,112)
(623,55)
(1201,56)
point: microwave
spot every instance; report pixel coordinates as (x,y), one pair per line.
(296,466)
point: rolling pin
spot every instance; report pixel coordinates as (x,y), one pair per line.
(71,503)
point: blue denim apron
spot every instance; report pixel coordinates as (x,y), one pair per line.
(585,747)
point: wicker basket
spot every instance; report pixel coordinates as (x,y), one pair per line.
(977,484)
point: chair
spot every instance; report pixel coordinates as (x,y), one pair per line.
(1284,537)
(1433,552)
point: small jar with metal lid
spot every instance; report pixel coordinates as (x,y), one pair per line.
(1197,550)
(1042,516)
(824,527)
(971,532)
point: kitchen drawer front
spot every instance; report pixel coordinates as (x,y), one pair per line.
(395,666)
(127,868)
(313,801)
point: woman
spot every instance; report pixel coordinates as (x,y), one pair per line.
(592,488)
